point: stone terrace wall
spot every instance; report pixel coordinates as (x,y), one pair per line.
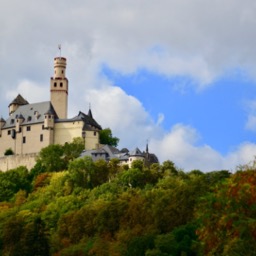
(12,162)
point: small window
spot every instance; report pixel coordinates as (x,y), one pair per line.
(55,84)
(29,118)
(12,121)
(41,137)
(9,132)
(61,84)
(28,128)
(42,127)
(24,140)
(62,71)
(95,133)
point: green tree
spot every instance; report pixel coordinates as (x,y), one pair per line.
(81,172)
(74,149)
(12,181)
(51,158)
(132,178)
(28,239)
(169,168)
(138,164)
(106,138)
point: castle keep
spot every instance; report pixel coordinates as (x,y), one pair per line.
(31,127)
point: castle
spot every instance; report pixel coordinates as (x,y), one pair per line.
(31,127)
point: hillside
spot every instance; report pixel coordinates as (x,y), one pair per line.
(99,208)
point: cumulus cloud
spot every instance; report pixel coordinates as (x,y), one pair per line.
(196,38)
(201,38)
(180,145)
(31,91)
(124,114)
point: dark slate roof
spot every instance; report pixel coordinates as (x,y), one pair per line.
(90,113)
(124,150)
(31,114)
(150,158)
(19,100)
(2,120)
(89,122)
(111,150)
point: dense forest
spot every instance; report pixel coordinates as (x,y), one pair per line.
(67,206)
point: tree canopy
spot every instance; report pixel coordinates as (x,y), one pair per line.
(106,138)
(76,206)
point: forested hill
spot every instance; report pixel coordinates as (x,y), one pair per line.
(99,208)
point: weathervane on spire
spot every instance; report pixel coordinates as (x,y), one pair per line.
(59,46)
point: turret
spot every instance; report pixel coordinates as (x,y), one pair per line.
(59,88)
(19,121)
(18,101)
(49,120)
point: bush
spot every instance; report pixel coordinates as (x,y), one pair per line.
(8,152)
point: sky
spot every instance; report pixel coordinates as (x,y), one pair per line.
(178,74)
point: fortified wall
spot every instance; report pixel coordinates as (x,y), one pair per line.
(14,161)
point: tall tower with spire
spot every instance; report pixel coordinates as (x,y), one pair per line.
(59,88)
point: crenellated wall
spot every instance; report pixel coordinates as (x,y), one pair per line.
(14,161)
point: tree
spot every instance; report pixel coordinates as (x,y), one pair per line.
(227,216)
(106,138)
(169,168)
(12,181)
(74,149)
(51,158)
(81,171)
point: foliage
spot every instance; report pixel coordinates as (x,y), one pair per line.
(97,208)
(12,181)
(51,158)
(227,217)
(106,138)
(74,149)
(56,157)
(8,152)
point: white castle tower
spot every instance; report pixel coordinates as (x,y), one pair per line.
(59,88)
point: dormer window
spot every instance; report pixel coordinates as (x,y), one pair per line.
(29,118)
(12,121)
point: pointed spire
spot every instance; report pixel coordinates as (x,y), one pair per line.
(90,112)
(147,147)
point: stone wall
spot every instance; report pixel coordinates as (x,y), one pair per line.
(12,162)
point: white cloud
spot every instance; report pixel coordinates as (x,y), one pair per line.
(199,38)
(124,114)
(31,91)
(180,145)
(250,107)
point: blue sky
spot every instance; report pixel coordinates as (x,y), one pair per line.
(219,112)
(180,74)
